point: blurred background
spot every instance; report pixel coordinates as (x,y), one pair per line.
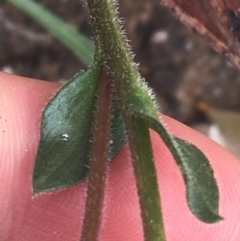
(193,83)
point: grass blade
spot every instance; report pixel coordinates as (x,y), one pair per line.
(79,45)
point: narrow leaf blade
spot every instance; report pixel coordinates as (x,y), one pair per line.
(79,44)
(63,154)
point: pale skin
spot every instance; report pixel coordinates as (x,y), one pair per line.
(58,216)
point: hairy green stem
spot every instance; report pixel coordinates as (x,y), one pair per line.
(114,45)
(146,179)
(127,79)
(99,162)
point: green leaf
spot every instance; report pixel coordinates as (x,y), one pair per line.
(118,130)
(64,150)
(63,154)
(202,190)
(80,45)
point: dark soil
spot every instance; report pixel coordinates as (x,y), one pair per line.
(182,69)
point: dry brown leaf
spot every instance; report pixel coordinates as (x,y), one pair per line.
(211,19)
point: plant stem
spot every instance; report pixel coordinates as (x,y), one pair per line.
(114,45)
(99,162)
(146,179)
(126,78)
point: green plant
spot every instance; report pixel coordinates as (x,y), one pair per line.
(74,128)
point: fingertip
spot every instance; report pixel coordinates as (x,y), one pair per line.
(21,103)
(58,216)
